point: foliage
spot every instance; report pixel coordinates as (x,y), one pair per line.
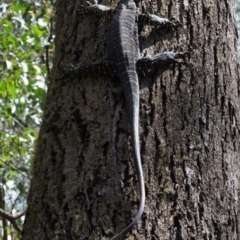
(24,39)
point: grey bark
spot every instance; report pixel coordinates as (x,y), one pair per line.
(84,184)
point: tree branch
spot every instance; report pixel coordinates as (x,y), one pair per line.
(12,217)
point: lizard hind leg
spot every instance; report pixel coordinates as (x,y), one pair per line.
(103,68)
(148,64)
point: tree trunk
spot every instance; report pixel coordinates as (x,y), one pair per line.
(84,183)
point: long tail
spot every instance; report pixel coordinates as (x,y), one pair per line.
(132,102)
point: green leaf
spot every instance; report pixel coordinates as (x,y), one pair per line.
(3,87)
(11,90)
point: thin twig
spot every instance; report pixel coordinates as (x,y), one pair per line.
(13,168)
(12,217)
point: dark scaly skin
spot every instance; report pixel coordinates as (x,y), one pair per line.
(123,51)
(122,42)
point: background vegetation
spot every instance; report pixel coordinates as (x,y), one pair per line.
(26,40)
(26,52)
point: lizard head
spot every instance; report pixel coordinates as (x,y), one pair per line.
(127,4)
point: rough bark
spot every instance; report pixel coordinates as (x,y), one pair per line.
(84,184)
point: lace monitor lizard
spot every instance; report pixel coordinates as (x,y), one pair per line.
(124,62)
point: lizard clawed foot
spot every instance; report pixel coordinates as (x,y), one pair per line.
(90,4)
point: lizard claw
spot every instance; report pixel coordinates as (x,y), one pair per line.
(90,4)
(158,22)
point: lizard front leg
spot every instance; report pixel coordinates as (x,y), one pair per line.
(153,20)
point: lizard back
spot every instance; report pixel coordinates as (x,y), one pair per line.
(123,50)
